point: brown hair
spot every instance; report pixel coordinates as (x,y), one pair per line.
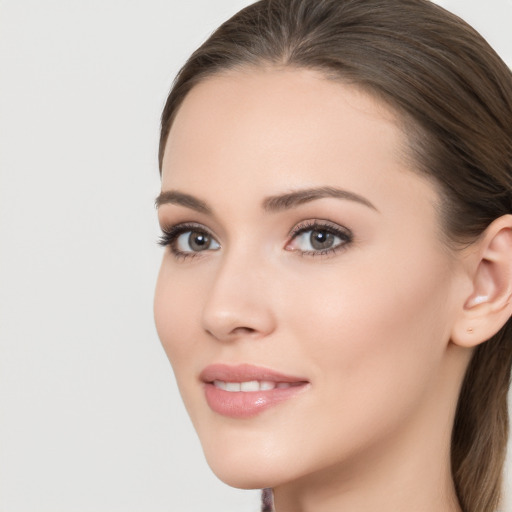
(439,73)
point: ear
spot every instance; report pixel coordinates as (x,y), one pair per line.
(489,305)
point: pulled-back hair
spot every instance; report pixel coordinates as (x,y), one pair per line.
(453,94)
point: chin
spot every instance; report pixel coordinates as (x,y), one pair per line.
(247,465)
(250,480)
(237,470)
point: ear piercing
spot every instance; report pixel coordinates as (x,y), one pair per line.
(469,330)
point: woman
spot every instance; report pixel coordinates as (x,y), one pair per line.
(336,295)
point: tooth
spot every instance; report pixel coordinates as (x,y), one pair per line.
(233,386)
(248,386)
(219,384)
(252,385)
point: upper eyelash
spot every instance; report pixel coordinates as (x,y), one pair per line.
(170,234)
(343,233)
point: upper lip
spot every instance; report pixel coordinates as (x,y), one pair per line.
(244,373)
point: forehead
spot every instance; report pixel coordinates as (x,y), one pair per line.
(259,131)
(273,101)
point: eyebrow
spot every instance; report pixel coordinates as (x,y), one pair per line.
(181,199)
(270,204)
(294,199)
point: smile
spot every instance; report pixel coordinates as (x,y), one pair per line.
(252,385)
(244,391)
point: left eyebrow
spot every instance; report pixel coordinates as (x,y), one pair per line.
(294,199)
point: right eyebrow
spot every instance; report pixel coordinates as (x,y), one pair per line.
(181,199)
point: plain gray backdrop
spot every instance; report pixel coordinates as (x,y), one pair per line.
(90,417)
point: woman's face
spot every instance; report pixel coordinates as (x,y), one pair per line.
(305,298)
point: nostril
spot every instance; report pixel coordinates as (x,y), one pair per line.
(237,331)
(243,330)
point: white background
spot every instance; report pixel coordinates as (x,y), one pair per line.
(90,418)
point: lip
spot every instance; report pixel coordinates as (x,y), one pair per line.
(246,404)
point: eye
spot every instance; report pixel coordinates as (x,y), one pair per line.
(195,241)
(318,238)
(186,240)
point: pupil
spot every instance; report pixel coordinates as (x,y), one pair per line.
(321,239)
(198,241)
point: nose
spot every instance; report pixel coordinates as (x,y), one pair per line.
(238,303)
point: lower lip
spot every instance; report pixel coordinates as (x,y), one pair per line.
(245,404)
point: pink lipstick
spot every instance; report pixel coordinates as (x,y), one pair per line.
(243,391)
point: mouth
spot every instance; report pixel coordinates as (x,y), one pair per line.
(252,385)
(244,391)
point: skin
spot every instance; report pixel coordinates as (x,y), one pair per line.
(368,326)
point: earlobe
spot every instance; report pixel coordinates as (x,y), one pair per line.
(488,307)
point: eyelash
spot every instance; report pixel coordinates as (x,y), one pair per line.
(343,233)
(170,236)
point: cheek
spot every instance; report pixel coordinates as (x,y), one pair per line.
(374,342)
(178,323)
(375,336)
(176,317)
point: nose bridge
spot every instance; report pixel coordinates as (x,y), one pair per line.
(238,298)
